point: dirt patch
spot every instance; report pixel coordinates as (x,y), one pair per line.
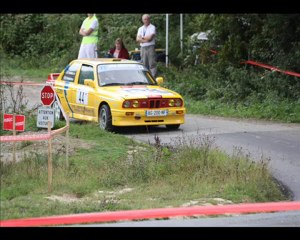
(29,148)
(112,194)
(66,198)
(207,202)
(101,197)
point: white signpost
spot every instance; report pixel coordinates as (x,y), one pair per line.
(45,115)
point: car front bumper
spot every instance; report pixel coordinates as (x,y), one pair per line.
(137,117)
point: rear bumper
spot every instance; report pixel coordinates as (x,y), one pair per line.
(139,118)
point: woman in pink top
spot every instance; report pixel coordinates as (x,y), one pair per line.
(119,51)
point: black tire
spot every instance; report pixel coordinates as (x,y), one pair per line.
(57,112)
(105,119)
(173,126)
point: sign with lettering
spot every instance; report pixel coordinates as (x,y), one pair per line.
(45,115)
(8,122)
(47,95)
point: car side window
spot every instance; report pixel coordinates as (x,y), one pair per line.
(70,72)
(86,72)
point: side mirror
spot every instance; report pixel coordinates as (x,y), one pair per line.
(90,83)
(159,80)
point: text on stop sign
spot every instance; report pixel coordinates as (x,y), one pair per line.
(47,95)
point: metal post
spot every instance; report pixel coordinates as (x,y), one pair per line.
(181,32)
(167,40)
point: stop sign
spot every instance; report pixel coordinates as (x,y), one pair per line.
(47,95)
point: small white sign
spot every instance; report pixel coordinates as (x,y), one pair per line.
(45,115)
(82,96)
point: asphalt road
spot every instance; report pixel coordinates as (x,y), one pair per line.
(278,219)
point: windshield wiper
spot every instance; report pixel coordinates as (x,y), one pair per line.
(112,84)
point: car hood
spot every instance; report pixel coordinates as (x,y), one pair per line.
(137,92)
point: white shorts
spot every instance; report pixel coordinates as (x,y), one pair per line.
(88,51)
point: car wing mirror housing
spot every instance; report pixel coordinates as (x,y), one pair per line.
(90,83)
(159,80)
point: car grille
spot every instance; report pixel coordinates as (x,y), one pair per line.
(154,103)
(147,121)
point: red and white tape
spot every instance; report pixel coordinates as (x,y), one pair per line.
(272,68)
(23,83)
(152,213)
(21,138)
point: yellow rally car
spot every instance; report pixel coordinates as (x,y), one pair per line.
(115,92)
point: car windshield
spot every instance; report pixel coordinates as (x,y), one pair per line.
(124,74)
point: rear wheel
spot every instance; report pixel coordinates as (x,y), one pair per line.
(173,126)
(105,119)
(57,112)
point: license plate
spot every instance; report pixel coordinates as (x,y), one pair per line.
(156,113)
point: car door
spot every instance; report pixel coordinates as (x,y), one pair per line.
(85,95)
(70,75)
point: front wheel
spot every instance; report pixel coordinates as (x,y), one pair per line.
(105,119)
(173,126)
(57,112)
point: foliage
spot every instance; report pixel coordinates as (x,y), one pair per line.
(241,92)
(41,39)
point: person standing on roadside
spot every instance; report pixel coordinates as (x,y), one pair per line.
(146,38)
(89,31)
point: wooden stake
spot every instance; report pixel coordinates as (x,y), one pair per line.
(49,159)
(14,133)
(67,143)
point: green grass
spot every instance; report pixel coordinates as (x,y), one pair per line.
(19,67)
(158,176)
(33,75)
(283,111)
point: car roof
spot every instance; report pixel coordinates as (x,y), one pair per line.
(97,61)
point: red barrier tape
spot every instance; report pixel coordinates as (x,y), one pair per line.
(152,213)
(21,138)
(272,68)
(22,83)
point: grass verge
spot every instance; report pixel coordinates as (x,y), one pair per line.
(283,111)
(18,67)
(118,173)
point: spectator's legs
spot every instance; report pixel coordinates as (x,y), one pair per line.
(88,51)
(152,60)
(144,57)
(81,53)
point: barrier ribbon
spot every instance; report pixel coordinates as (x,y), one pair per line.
(152,213)
(22,83)
(272,68)
(21,138)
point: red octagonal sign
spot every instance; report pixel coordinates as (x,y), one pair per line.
(47,95)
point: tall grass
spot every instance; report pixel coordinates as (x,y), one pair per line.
(160,175)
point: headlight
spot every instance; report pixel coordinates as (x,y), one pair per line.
(126,104)
(178,102)
(171,103)
(135,103)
